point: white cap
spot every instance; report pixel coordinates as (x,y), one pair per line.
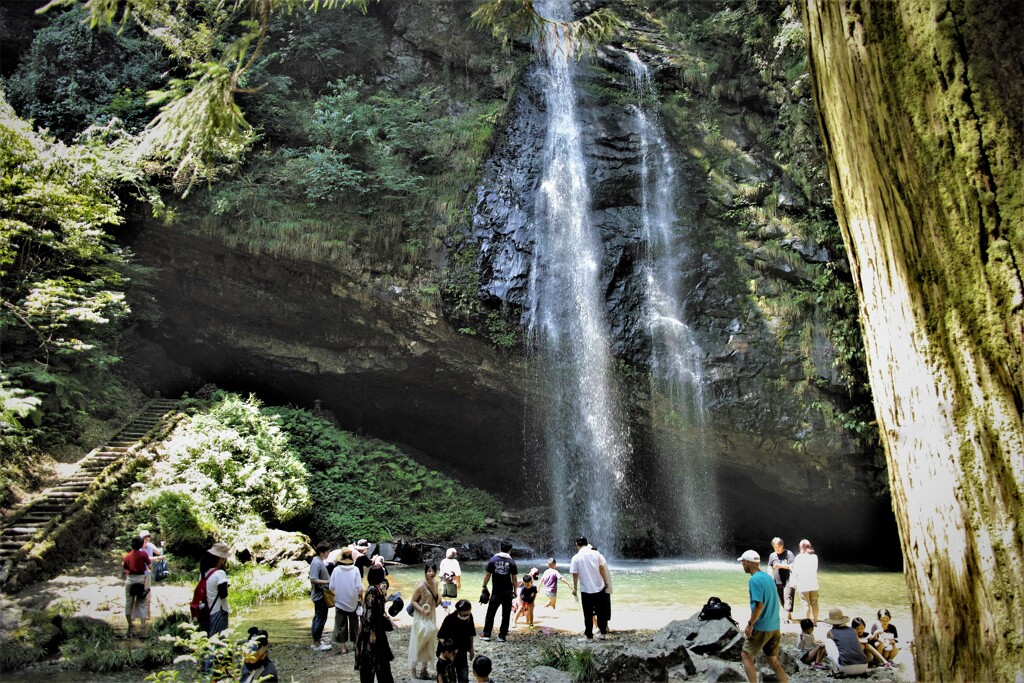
(144,533)
(749,556)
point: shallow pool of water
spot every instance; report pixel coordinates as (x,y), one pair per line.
(646,594)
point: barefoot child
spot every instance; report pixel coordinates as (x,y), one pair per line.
(549,582)
(527,599)
(811,651)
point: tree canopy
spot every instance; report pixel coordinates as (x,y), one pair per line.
(200,129)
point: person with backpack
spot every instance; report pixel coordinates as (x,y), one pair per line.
(209,604)
(136,592)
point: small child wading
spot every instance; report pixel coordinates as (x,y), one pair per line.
(549,582)
(527,600)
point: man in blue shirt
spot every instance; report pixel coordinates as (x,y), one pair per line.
(763,630)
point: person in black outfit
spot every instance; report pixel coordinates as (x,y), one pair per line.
(373,653)
(503,569)
(458,627)
(446,667)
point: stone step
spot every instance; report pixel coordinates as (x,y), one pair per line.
(20,530)
(53,495)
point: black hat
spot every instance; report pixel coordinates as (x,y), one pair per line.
(396,606)
(582,541)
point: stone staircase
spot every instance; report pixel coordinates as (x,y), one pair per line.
(31,524)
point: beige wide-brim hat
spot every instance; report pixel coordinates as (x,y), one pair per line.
(836,617)
(220,550)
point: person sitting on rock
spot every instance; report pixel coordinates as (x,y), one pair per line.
(875,657)
(885,635)
(843,646)
(811,651)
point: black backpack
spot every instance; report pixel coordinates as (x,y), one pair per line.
(715,609)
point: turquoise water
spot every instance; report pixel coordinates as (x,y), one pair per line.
(647,594)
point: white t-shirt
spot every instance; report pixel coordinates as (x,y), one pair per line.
(449,565)
(805,566)
(586,563)
(220,576)
(346,584)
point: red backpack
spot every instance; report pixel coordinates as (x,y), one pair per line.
(198,607)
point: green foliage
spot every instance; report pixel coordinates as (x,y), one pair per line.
(223,652)
(253,584)
(60,286)
(91,645)
(391,170)
(518,19)
(73,78)
(364,487)
(579,663)
(200,128)
(229,465)
(183,522)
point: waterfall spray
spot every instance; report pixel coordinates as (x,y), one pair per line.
(676,370)
(584,441)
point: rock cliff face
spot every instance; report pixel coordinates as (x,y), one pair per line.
(771,442)
(385,361)
(920,104)
(379,358)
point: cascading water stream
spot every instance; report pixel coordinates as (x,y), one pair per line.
(585,442)
(677,374)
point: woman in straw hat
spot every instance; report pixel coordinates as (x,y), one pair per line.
(216,586)
(843,646)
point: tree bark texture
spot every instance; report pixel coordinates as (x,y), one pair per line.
(921,106)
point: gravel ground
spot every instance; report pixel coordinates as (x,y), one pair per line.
(97,591)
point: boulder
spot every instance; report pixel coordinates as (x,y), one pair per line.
(716,671)
(787,656)
(298,568)
(716,637)
(547,674)
(670,646)
(273,547)
(631,664)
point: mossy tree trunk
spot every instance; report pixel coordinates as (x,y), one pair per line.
(921,105)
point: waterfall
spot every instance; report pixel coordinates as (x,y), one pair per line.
(677,376)
(585,442)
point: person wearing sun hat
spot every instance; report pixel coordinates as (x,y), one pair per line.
(216,586)
(348,591)
(843,646)
(763,632)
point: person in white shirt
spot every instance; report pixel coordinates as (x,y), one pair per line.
(348,591)
(805,567)
(451,574)
(216,587)
(589,572)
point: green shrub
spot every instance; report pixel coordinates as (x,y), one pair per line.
(365,487)
(15,654)
(227,467)
(253,584)
(182,522)
(579,663)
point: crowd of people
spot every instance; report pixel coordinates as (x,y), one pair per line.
(357,585)
(849,647)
